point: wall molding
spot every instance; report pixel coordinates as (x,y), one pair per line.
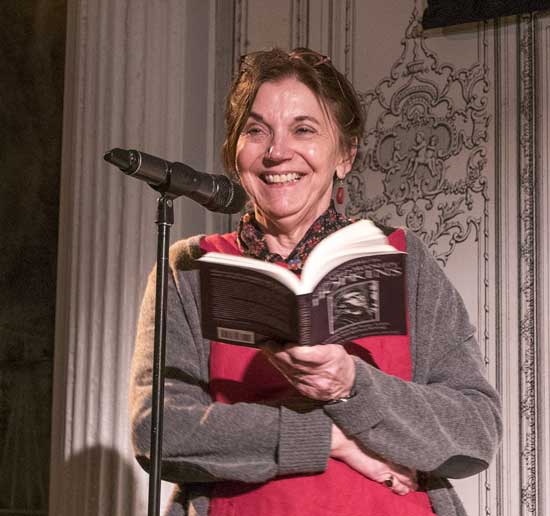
(542,46)
(527,267)
(299,23)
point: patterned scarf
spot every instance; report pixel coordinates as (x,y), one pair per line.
(251,238)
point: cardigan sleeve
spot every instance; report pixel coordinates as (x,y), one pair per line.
(446,421)
(206,441)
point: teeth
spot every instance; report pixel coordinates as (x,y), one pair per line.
(281,178)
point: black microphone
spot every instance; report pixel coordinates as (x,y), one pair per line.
(214,191)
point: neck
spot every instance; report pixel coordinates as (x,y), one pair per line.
(282,243)
(283,235)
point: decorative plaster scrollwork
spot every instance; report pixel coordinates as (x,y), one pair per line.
(423,121)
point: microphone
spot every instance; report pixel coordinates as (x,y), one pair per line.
(214,191)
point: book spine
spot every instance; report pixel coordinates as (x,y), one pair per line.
(304,319)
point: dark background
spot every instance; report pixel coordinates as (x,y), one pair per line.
(32,48)
(440,13)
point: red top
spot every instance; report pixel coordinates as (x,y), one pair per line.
(242,374)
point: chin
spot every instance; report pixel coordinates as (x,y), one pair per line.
(290,211)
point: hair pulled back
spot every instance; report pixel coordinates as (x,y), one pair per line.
(335,93)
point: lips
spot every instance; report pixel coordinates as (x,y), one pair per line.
(290,177)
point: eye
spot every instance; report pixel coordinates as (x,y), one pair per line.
(305,130)
(254,131)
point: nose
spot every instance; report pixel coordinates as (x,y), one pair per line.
(278,150)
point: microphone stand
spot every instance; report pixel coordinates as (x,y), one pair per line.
(164,220)
(170,180)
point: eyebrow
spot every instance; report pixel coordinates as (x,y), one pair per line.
(300,118)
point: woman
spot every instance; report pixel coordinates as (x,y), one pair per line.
(373,426)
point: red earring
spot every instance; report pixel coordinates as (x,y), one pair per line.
(340,192)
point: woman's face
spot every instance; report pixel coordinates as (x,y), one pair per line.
(287,155)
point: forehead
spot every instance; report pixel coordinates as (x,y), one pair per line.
(288,96)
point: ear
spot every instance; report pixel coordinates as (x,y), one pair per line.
(344,167)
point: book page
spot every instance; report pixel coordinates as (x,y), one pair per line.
(358,239)
(272,270)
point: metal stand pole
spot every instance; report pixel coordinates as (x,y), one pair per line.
(165,219)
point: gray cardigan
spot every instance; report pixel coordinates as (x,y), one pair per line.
(446,422)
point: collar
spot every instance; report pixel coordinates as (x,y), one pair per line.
(251,238)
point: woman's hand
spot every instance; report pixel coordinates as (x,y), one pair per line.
(324,372)
(399,479)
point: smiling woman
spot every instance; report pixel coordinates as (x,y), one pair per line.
(287,157)
(338,429)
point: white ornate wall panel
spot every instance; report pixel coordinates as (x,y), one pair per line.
(458,125)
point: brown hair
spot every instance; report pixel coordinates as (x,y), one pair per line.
(315,70)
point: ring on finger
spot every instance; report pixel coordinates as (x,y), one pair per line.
(389,482)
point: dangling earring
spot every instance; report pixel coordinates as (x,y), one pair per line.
(340,191)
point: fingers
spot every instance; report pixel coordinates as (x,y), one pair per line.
(397,487)
(399,479)
(304,356)
(401,483)
(323,372)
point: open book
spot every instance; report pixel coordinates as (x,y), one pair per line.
(352,285)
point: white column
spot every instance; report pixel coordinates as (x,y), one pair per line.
(137,76)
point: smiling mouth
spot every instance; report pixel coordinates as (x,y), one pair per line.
(272,179)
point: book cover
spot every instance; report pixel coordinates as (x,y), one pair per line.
(248,302)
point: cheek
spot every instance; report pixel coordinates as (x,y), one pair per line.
(313,152)
(321,156)
(246,155)
(240,153)
(244,161)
